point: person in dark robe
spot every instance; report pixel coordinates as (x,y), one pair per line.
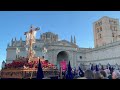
(40,74)
(81,73)
(69,72)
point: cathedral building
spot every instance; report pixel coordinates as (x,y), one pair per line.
(106,46)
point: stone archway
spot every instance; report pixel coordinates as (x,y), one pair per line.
(62,55)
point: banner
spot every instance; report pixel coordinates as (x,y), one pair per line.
(63,65)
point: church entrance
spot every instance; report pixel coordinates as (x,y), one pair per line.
(62,58)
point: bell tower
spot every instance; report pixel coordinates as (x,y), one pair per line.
(106,30)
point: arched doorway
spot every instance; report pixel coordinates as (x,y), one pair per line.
(63,55)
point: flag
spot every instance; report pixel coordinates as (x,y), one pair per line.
(63,65)
(69,73)
(40,74)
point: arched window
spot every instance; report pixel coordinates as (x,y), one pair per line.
(100,28)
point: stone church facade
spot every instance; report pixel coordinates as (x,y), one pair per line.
(106,50)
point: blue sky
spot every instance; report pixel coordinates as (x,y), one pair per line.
(64,23)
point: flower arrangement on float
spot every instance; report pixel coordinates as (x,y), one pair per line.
(33,64)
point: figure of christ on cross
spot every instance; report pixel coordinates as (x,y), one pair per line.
(30,40)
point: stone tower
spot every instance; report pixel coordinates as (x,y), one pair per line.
(49,37)
(106,30)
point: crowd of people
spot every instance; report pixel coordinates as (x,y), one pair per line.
(95,72)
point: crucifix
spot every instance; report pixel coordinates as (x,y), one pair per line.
(30,40)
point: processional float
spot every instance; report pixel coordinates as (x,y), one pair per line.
(27,67)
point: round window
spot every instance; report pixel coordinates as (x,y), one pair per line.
(80,57)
